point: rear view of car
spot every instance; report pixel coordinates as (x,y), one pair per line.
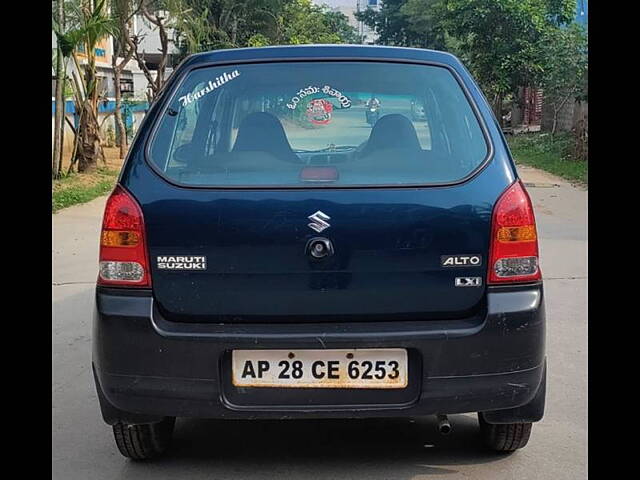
(269,252)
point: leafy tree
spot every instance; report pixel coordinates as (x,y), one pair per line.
(339,23)
(305,23)
(212,24)
(403,23)
(205,25)
(565,73)
(194,32)
(424,23)
(258,40)
(502,40)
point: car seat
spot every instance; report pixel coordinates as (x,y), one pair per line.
(263,132)
(392,131)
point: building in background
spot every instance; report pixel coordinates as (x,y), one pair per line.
(150,45)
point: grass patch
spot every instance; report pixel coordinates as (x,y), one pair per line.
(80,187)
(553,155)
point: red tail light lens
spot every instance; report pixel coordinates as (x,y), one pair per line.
(123,252)
(514,240)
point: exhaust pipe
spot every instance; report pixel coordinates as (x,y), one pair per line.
(444,427)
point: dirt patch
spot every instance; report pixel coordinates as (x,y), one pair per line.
(112,156)
(536,176)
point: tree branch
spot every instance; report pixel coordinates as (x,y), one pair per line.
(134,44)
(73,128)
(105,118)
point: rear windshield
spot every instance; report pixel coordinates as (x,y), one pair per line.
(318,124)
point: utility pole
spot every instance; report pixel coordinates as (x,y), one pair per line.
(360,23)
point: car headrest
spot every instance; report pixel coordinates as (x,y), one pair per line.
(392,131)
(263,132)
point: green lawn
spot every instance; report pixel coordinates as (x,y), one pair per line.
(80,188)
(539,150)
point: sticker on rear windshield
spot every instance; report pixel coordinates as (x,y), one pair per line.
(182,263)
(211,86)
(319,111)
(311,90)
(460,260)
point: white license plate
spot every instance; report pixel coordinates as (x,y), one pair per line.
(354,368)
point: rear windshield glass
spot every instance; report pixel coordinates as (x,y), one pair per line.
(318,123)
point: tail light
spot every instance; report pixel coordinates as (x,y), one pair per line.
(123,252)
(514,240)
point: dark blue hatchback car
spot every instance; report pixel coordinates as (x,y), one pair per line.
(271,252)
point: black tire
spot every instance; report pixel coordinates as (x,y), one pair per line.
(504,437)
(142,442)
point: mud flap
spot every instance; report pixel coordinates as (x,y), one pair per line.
(529,412)
(113,415)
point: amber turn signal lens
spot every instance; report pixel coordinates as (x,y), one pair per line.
(121,238)
(526,233)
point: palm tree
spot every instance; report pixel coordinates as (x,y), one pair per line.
(88,23)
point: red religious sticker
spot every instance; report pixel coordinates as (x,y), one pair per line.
(319,111)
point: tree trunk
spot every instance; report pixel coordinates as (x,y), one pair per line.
(90,145)
(555,121)
(124,50)
(120,126)
(76,139)
(497,108)
(234,30)
(59,114)
(155,84)
(164,51)
(59,172)
(556,111)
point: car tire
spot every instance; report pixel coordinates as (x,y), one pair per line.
(504,437)
(142,442)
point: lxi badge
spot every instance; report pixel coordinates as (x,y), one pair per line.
(468,281)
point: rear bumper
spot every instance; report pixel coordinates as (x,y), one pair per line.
(147,368)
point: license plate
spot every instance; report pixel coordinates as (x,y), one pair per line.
(354,368)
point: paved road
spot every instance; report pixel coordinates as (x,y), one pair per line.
(360,449)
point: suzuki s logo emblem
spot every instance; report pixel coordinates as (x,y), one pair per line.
(319,221)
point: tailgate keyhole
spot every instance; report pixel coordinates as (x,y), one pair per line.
(319,248)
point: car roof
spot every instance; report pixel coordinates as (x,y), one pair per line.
(324,52)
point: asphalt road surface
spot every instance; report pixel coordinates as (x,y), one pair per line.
(403,449)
